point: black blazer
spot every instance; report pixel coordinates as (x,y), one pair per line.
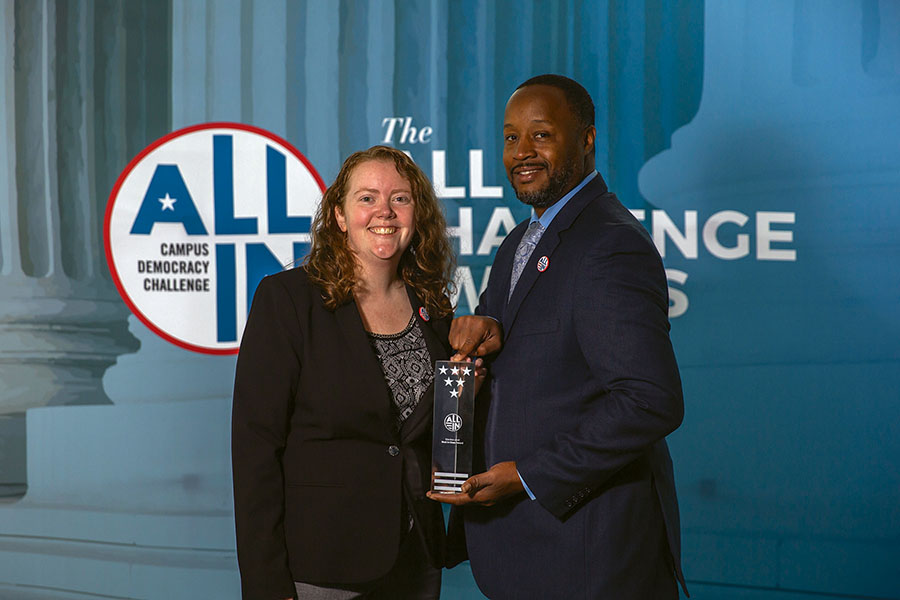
(582,396)
(318,466)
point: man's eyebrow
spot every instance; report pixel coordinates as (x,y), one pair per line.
(544,121)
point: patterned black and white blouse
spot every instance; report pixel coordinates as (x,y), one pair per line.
(407,367)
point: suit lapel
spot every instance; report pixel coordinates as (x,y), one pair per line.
(363,357)
(530,273)
(503,266)
(545,247)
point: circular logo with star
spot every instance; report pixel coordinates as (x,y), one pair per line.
(453,422)
(197,219)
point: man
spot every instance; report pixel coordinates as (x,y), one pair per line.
(579,500)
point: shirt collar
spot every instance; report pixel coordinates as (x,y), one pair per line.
(554,209)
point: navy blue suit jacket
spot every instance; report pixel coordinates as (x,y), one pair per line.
(582,396)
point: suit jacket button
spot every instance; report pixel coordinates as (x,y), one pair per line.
(393,450)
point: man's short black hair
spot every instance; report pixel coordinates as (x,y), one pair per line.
(579,100)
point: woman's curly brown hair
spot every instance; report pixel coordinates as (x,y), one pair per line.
(426,265)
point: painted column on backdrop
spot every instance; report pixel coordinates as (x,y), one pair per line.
(321,62)
(146,476)
(592,70)
(419,81)
(62,322)
(793,150)
(266,77)
(471,116)
(210,80)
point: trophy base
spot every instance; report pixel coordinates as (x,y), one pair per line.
(448,483)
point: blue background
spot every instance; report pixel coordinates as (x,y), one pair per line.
(114,445)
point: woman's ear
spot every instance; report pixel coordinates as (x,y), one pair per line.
(339,217)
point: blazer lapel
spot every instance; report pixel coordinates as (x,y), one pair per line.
(545,247)
(435,332)
(367,366)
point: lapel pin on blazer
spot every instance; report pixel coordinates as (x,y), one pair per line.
(424,313)
(543,263)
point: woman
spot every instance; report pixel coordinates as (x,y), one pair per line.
(332,401)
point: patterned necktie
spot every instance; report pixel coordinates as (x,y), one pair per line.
(523,252)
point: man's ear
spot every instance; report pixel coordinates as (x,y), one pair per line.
(590,134)
(339,217)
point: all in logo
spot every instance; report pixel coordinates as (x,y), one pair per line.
(453,422)
(197,219)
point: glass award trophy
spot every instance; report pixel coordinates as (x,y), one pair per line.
(454,410)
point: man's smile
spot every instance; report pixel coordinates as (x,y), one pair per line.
(526,173)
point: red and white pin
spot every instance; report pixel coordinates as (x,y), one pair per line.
(424,313)
(543,263)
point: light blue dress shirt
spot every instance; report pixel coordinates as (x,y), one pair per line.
(554,209)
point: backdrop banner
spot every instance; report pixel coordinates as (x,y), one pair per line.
(158,158)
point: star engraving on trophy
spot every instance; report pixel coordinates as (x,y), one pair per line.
(455,370)
(443,370)
(454,394)
(466,370)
